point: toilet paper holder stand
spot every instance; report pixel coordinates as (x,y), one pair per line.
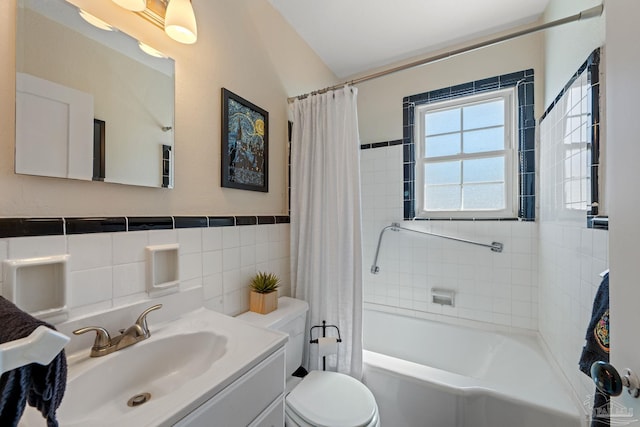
(324,327)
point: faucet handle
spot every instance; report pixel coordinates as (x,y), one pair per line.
(142,320)
(103,339)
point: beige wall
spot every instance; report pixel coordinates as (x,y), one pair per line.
(568,46)
(244,46)
(380,100)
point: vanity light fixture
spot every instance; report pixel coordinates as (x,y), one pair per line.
(180,21)
(175,17)
(132,5)
(98,23)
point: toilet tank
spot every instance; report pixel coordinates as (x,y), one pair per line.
(290,318)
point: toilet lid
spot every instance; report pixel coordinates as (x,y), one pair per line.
(332,399)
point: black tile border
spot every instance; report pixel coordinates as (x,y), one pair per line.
(523,81)
(283,219)
(190,221)
(34,227)
(27,227)
(266,220)
(246,220)
(139,223)
(222,221)
(381,144)
(592,67)
(95,225)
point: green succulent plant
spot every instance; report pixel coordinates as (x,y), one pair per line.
(264,283)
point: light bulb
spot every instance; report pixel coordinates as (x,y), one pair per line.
(180,21)
(133,5)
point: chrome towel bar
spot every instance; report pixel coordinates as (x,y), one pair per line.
(494,246)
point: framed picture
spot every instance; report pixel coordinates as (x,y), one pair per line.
(245,144)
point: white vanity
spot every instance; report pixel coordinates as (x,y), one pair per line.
(200,368)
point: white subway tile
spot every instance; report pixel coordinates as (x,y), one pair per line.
(190,266)
(129,247)
(91,286)
(211,262)
(230,259)
(212,286)
(212,239)
(162,237)
(262,253)
(128,279)
(190,240)
(89,251)
(248,235)
(230,237)
(33,247)
(196,282)
(231,281)
(248,256)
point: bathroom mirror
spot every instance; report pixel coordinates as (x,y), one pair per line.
(90,104)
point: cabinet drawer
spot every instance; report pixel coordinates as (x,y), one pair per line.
(273,416)
(241,402)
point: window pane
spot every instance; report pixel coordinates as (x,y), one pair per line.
(479,141)
(484,170)
(443,145)
(483,115)
(445,197)
(484,196)
(442,122)
(442,173)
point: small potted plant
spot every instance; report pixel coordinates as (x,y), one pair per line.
(264,298)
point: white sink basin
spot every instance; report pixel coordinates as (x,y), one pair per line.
(158,367)
(183,364)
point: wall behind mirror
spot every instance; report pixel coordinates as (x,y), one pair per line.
(66,68)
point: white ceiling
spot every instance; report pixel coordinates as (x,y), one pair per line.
(352,36)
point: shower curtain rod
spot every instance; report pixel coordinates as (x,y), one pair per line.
(494,246)
(585,14)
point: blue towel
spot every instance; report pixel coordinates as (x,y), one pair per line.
(41,386)
(597,349)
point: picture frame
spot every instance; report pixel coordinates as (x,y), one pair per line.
(245,144)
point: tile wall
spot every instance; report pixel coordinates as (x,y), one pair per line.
(107,269)
(497,288)
(571,255)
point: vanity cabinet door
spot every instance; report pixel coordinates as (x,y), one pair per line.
(273,416)
(242,402)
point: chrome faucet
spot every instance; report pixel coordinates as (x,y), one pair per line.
(104,344)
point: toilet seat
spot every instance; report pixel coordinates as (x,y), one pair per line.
(331,399)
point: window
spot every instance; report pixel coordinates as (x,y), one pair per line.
(466,158)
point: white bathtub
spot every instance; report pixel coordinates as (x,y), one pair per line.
(432,374)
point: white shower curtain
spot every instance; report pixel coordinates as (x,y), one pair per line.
(326,243)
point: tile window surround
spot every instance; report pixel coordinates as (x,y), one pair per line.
(218,255)
(575,113)
(523,80)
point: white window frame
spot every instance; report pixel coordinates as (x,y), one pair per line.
(510,155)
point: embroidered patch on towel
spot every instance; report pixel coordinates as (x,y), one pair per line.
(601,332)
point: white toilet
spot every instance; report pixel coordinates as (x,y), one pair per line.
(322,398)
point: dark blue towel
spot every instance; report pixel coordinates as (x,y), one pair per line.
(597,349)
(42,386)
